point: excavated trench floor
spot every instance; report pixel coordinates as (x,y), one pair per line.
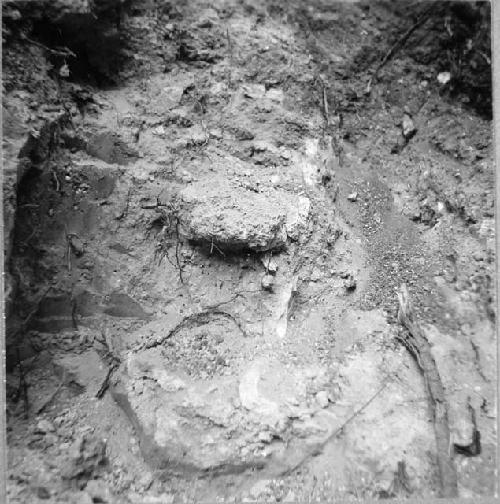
(213,280)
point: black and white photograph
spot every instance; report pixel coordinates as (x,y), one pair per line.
(249,251)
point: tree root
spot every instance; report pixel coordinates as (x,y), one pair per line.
(416,343)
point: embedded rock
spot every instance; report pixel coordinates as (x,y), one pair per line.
(231,217)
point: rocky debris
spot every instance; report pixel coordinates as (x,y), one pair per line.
(86,457)
(218,212)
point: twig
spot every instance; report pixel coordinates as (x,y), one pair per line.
(230,300)
(201,317)
(105,383)
(65,52)
(25,242)
(316,449)
(213,245)
(415,341)
(58,185)
(325,107)
(177,246)
(74,318)
(50,398)
(398,45)
(127,204)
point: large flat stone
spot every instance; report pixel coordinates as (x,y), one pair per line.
(236,218)
(234,418)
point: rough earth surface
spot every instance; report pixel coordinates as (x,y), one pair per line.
(209,210)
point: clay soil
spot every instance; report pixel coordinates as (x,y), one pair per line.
(210,209)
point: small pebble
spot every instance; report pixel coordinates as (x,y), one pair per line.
(267,283)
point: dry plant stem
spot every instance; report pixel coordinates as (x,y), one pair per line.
(415,341)
(202,316)
(177,247)
(50,398)
(65,52)
(105,383)
(398,45)
(325,107)
(316,449)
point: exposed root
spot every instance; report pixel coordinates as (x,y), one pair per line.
(415,341)
(195,319)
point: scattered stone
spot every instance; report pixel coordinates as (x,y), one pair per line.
(77,245)
(44,426)
(42,492)
(322,398)
(408,127)
(267,283)
(316,275)
(353,197)
(275,95)
(265,436)
(149,203)
(350,283)
(99,491)
(254,91)
(216,133)
(243,134)
(444,77)
(269,263)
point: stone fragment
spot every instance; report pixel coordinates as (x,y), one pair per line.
(322,398)
(232,218)
(267,283)
(408,127)
(44,426)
